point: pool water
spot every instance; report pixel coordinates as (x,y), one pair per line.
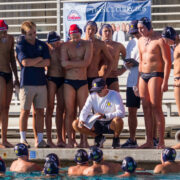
(38,175)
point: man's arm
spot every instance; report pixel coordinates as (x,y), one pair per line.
(31,61)
(157,169)
(13,62)
(109,58)
(43,63)
(166,56)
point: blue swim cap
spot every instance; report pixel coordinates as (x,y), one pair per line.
(51,168)
(91,23)
(146,22)
(53,37)
(105,26)
(129,165)
(53,157)
(21,150)
(95,154)
(81,157)
(168,154)
(2,166)
(169,33)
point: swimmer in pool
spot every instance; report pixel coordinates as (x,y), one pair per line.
(129,167)
(81,158)
(168,163)
(100,167)
(154,70)
(22,164)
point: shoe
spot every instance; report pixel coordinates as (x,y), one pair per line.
(99,140)
(26,143)
(129,144)
(42,144)
(116,143)
(155,142)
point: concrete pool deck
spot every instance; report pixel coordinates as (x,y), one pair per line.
(67,154)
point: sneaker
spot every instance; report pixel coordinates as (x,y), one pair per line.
(99,140)
(155,142)
(129,144)
(26,143)
(116,143)
(42,144)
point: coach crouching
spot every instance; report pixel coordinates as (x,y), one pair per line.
(101,114)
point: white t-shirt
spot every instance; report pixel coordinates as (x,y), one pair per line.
(132,52)
(111,105)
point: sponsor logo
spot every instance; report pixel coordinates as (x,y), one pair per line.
(74,16)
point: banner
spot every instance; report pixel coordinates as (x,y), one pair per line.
(118,13)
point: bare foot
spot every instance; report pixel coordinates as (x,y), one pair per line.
(51,144)
(6,144)
(61,144)
(160,146)
(70,145)
(146,146)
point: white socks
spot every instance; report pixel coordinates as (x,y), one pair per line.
(23,136)
(40,137)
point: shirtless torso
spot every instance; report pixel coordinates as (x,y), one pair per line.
(76,55)
(55,77)
(7,65)
(22,166)
(177,75)
(102,168)
(167,167)
(154,68)
(77,170)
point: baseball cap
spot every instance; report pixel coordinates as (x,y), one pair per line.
(3,25)
(53,37)
(133,27)
(169,33)
(97,85)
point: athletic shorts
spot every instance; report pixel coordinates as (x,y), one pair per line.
(33,94)
(103,127)
(131,99)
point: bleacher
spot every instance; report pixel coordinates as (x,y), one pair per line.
(48,16)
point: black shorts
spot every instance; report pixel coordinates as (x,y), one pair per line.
(103,127)
(131,99)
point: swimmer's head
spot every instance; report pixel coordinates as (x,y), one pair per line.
(168,154)
(53,37)
(129,165)
(3,25)
(2,166)
(75,32)
(90,29)
(53,157)
(21,150)
(95,154)
(97,85)
(106,31)
(51,168)
(81,157)
(133,29)
(144,26)
(169,34)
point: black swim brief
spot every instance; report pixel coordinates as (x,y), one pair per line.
(147,76)
(59,81)
(103,127)
(6,76)
(109,81)
(76,84)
